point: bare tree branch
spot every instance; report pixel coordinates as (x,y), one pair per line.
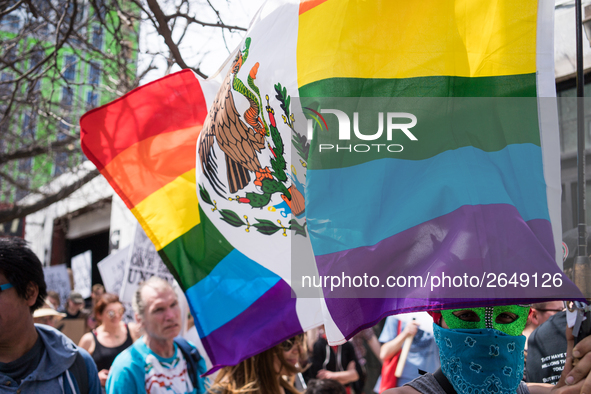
(35,150)
(47,49)
(16,183)
(59,44)
(193,20)
(164,31)
(11,9)
(19,211)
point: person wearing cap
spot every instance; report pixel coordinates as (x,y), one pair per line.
(74,306)
(35,358)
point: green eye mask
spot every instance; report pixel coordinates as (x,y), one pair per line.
(488,317)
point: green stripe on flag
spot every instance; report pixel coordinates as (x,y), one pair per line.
(195,254)
(523,85)
(442,124)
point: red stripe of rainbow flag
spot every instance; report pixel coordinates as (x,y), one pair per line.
(144,144)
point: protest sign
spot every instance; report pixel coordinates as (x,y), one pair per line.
(143,262)
(58,280)
(81,268)
(112,269)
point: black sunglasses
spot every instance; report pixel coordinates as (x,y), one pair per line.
(290,343)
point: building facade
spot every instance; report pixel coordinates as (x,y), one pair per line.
(57,61)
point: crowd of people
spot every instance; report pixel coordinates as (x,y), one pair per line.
(498,349)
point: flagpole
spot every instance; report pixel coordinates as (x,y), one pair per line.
(581,266)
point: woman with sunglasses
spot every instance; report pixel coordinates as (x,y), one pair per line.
(111,337)
(263,373)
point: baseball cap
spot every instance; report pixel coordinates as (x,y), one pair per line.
(76,298)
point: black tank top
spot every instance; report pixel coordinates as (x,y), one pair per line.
(104,356)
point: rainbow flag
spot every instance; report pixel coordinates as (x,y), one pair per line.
(144,144)
(246,208)
(470,194)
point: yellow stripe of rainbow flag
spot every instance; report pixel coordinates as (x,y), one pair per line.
(464,38)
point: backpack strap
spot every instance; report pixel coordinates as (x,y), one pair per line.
(192,357)
(80,373)
(327,358)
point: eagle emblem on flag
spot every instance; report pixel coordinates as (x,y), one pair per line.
(243,141)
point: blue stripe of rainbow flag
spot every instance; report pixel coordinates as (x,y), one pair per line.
(465,176)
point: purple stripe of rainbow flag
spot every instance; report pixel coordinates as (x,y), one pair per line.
(470,213)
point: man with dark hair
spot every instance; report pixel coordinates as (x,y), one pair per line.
(35,358)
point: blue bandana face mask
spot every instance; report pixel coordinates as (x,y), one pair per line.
(480,361)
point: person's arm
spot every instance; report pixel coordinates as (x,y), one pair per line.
(374,345)
(392,347)
(94,385)
(86,342)
(573,380)
(343,377)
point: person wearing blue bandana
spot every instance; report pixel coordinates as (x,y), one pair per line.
(482,351)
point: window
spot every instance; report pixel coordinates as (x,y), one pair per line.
(67,96)
(4,128)
(126,49)
(29,127)
(24,166)
(5,86)
(567,115)
(35,86)
(42,6)
(70,12)
(20,193)
(574,198)
(70,68)
(10,51)
(92,99)
(61,159)
(11,21)
(61,163)
(97,37)
(101,8)
(74,42)
(36,57)
(94,74)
